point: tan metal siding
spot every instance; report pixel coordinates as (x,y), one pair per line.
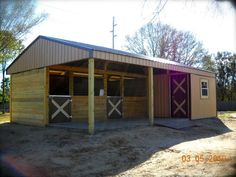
(149,63)
(27,97)
(161,96)
(46,53)
(202,108)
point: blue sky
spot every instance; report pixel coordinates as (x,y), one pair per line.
(90,21)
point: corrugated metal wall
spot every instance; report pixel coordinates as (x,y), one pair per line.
(161,96)
(46,53)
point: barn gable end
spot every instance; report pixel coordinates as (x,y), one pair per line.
(43,53)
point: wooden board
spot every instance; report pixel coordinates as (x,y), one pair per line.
(150,96)
(28,97)
(134,107)
(91,96)
(80,108)
(161,96)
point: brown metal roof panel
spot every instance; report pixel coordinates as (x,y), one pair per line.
(41,53)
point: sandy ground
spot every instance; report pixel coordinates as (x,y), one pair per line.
(208,149)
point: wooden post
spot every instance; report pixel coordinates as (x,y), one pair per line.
(150,96)
(91,96)
(71,84)
(169,90)
(122,86)
(11,87)
(46,94)
(105,78)
(106,66)
(105,84)
(105,92)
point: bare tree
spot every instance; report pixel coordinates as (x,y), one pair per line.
(159,40)
(17,18)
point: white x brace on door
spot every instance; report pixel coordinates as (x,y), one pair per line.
(179,96)
(114,107)
(59,108)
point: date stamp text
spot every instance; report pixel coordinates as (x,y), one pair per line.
(205,158)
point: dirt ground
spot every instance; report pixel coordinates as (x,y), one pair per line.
(208,149)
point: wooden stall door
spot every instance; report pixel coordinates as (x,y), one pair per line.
(180,96)
(114,98)
(59,108)
(114,107)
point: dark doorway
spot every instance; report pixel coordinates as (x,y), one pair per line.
(180,95)
(113,86)
(59,98)
(114,99)
(59,85)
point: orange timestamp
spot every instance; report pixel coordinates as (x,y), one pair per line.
(205,158)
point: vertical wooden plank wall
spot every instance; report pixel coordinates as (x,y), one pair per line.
(161,96)
(28,97)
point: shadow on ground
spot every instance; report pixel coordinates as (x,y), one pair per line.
(38,151)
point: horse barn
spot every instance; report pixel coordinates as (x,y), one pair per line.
(55,80)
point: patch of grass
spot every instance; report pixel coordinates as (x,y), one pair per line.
(4,118)
(226,114)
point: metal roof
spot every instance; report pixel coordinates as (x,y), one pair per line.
(49,46)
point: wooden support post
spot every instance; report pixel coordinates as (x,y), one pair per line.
(105,91)
(91,96)
(105,78)
(71,84)
(106,66)
(169,91)
(122,86)
(150,96)
(105,84)
(46,94)
(11,87)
